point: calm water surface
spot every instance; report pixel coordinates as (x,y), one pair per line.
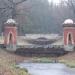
(47,69)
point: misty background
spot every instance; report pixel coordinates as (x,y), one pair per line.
(36,16)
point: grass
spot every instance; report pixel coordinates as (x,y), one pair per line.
(68,63)
(43,60)
(8,65)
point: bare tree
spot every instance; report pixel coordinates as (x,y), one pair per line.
(8,10)
(11,5)
(71,5)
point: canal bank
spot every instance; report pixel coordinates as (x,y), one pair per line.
(8,64)
(9,60)
(47,68)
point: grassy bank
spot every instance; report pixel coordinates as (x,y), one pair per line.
(69,63)
(43,60)
(8,64)
(68,59)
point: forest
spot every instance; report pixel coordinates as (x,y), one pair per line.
(37,16)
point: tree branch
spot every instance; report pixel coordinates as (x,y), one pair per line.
(20,2)
(7,6)
(70,4)
(1,13)
(11,1)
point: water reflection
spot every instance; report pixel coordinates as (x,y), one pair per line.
(47,69)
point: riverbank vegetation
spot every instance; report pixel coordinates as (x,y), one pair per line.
(8,64)
(68,59)
(43,60)
(9,60)
(68,62)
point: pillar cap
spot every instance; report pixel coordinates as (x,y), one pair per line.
(10,21)
(68,23)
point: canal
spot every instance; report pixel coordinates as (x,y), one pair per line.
(47,69)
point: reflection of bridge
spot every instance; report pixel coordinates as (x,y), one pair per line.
(39,46)
(12,41)
(40,51)
(25,41)
(35,46)
(44,42)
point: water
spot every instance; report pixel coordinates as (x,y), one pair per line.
(47,69)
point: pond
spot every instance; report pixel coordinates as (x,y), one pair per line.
(47,69)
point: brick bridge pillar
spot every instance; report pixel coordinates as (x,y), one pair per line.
(10,35)
(69,34)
